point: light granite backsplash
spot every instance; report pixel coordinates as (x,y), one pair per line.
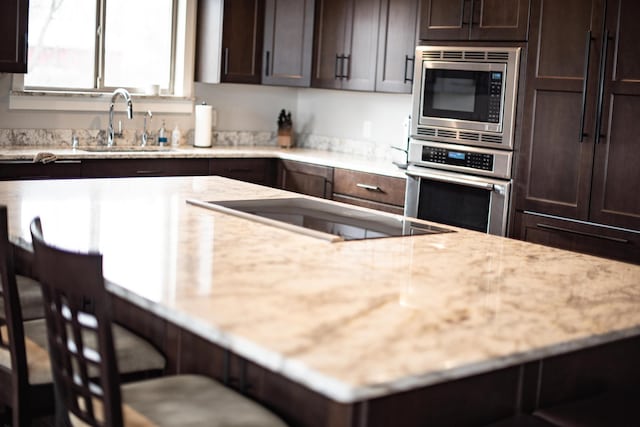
(90,137)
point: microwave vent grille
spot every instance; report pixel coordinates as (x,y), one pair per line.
(475,55)
(447,133)
(452,54)
(469,136)
(467,55)
(498,56)
(494,139)
(426,131)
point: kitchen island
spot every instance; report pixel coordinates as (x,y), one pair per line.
(371,326)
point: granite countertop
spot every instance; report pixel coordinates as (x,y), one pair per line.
(321,157)
(351,320)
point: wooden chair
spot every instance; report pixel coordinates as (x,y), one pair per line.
(25,381)
(25,372)
(86,375)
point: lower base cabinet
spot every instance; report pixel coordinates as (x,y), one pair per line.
(306,178)
(256,171)
(576,236)
(369,190)
(120,168)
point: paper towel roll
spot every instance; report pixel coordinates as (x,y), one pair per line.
(202,136)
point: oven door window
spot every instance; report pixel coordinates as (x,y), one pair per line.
(454,204)
(461,94)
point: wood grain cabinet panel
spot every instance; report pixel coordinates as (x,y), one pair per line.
(497,20)
(118,168)
(579,153)
(288,42)
(242,32)
(257,171)
(26,169)
(14,22)
(346,37)
(396,45)
(305,178)
(369,190)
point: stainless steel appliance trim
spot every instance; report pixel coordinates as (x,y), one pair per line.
(499,202)
(510,87)
(502,160)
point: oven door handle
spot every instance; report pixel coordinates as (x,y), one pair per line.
(455,180)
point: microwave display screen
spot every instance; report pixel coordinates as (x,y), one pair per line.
(462,94)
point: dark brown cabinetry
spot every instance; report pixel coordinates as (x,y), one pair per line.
(26,169)
(14,20)
(288,42)
(500,20)
(396,45)
(120,168)
(346,37)
(369,190)
(305,178)
(242,32)
(580,149)
(257,171)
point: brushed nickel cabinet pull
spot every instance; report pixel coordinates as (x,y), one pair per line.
(369,187)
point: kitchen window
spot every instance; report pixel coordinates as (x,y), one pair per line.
(89,48)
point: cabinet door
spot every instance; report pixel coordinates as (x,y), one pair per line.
(288,42)
(396,45)
(500,20)
(328,44)
(305,178)
(257,171)
(14,20)
(26,169)
(242,32)
(615,197)
(361,41)
(445,19)
(117,168)
(555,159)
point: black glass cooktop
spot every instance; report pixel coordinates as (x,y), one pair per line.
(335,219)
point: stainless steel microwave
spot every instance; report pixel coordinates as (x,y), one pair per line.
(466,95)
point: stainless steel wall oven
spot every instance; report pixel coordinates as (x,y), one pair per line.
(460,151)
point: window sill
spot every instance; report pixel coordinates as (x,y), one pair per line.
(95,101)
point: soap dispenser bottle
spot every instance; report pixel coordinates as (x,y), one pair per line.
(162,135)
(175,136)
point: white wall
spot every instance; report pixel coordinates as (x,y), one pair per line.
(333,113)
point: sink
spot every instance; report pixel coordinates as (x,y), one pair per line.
(125,148)
(332,221)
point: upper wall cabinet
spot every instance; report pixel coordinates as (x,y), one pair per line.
(242,32)
(288,42)
(346,38)
(396,45)
(499,20)
(14,20)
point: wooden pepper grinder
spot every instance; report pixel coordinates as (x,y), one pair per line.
(285,139)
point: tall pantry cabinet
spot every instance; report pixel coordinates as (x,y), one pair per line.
(14,20)
(578,173)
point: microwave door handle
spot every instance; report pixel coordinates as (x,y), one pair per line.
(454,180)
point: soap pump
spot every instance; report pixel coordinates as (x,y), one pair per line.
(175,136)
(162,135)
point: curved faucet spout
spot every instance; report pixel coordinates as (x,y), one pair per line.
(120,92)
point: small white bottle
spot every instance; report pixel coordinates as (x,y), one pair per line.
(162,135)
(175,136)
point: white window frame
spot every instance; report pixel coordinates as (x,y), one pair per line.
(180,102)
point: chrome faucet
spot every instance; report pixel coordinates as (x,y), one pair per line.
(145,134)
(110,132)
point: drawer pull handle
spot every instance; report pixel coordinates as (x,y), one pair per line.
(149,172)
(369,187)
(581,233)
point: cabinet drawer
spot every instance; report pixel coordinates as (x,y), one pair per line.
(579,237)
(18,169)
(257,171)
(305,178)
(368,186)
(115,168)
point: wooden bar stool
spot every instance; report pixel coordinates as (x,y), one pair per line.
(26,385)
(86,375)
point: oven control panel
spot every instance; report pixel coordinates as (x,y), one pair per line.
(468,159)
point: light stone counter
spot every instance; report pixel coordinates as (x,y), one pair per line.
(351,320)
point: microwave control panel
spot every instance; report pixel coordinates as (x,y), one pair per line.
(468,159)
(495,95)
